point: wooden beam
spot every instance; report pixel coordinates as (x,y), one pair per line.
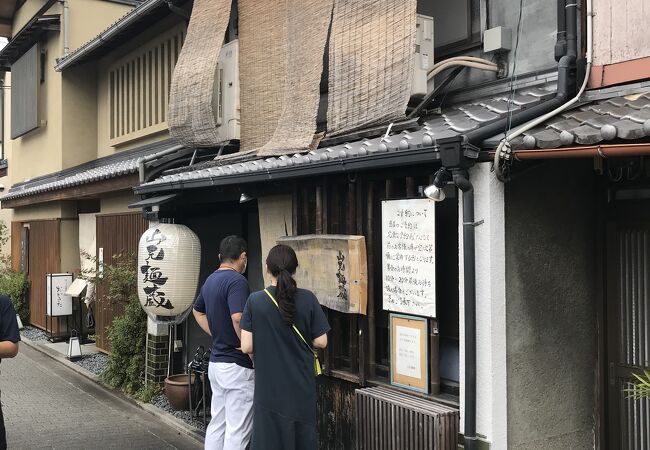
(84,191)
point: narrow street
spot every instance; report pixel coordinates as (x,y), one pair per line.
(48,406)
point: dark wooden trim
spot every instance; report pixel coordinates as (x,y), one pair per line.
(85,191)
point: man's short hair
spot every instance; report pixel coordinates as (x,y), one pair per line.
(232,247)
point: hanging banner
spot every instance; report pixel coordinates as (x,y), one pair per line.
(408,256)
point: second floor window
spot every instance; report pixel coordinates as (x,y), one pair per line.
(25,80)
(138,88)
(457,25)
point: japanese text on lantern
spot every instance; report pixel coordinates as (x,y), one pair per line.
(153,277)
(408,256)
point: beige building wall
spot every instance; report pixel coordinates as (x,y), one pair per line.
(38,212)
(70,261)
(79,109)
(27,11)
(619,30)
(88,18)
(118,203)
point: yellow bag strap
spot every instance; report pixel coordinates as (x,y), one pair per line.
(317,367)
(294,327)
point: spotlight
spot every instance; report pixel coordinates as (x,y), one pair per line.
(244,197)
(435,191)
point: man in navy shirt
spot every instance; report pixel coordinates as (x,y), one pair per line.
(218,310)
(9,338)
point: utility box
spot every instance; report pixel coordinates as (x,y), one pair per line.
(423,55)
(497,39)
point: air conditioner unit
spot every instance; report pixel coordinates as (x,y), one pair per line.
(423,56)
(225,99)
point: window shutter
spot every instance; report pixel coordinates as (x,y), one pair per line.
(24,93)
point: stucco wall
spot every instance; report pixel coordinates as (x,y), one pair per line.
(70,260)
(117,202)
(617,26)
(89,17)
(550,306)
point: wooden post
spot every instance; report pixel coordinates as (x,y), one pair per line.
(353,318)
(371,283)
(410,187)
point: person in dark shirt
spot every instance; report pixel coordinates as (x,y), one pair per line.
(284,415)
(9,338)
(218,309)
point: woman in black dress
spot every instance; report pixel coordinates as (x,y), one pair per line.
(284,411)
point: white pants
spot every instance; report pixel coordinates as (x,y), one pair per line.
(232,407)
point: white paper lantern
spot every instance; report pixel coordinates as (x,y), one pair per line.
(169,260)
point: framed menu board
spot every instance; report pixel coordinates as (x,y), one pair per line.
(408,256)
(409,355)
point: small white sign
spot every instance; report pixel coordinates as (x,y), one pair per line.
(409,256)
(56,300)
(407,352)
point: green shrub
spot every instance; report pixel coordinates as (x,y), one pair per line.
(128,332)
(15,285)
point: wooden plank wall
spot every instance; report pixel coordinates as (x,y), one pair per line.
(44,258)
(116,233)
(16,228)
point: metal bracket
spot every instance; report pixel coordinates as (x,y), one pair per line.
(474,224)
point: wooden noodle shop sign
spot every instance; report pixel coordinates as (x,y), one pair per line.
(408,256)
(409,360)
(334,267)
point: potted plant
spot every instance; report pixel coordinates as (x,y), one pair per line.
(640,387)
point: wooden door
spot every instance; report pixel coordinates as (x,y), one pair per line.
(116,233)
(628,325)
(44,256)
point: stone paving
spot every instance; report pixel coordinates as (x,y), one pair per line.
(48,406)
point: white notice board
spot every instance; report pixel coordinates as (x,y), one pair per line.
(408,256)
(58,303)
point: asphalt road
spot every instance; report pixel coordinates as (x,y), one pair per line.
(48,406)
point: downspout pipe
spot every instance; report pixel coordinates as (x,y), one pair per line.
(566,85)
(145,159)
(560,44)
(459,176)
(66,27)
(461,180)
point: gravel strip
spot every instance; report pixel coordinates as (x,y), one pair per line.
(33,333)
(162,403)
(95,363)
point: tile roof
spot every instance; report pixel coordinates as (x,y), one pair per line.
(454,121)
(112,166)
(132,23)
(612,119)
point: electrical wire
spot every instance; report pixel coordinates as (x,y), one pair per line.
(505,142)
(449,64)
(513,79)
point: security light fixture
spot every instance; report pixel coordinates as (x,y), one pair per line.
(244,197)
(435,191)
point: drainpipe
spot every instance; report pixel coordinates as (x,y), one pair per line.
(560,45)
(145,159)
(66,28)
(461,180)
(566,87)
(572,51)
(455,167)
